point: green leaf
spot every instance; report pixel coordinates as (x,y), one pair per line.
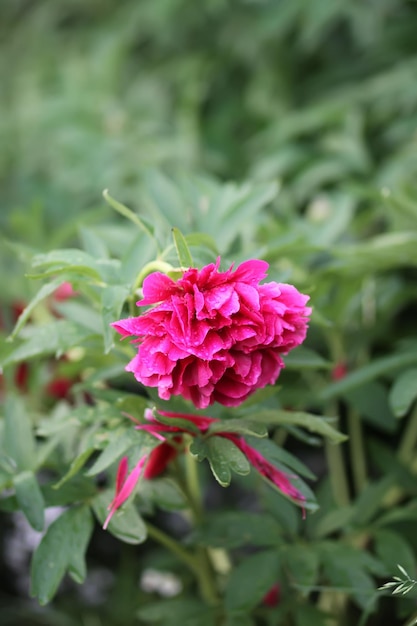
(304,358)
(73,259)
(308,615)
(128,213)
(54,338)
(179,422)
(371,499)
(251,580)
(166,198)
(233,529)
(183,251)
(334,520)
(112,300)
(407,513)
(303,565)
(119,443)
(371,402)
(385,459)
(403,392)
(93,244)
(224,457)
(76,489)
(239,619)
(283,510)
(238,206)
(18,435)
(44,292)
(202,240)
(62,549)
(30,499)
(164,492)
(187,611)
(198,448)
(80,314)
(349,568)
(392,549)
(239,426)
(126,524)
(77,464)
(312,423)
(378,367)
(386,251)
(132,405)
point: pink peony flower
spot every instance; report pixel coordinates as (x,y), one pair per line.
(215,336)
(155,462)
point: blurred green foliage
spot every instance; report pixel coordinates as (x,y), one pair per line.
(312,93)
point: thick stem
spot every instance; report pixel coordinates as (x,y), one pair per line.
(173,546)
(357,451)
(193,487)
(198,563)
(206,574)
(337,473)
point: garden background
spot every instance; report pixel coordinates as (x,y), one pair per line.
(284,130)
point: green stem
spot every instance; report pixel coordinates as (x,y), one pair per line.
(205,569)
(357,451)
(130,215)
(199,563)
(337,473)
(334,453)
(409,440)
(152,266)
(193,487)
(186,557)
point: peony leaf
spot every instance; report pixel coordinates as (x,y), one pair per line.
(250,581)
(117,446)
(391,548)
(62,548)
(239,427)
(45,291)
(183,251)
(76,465)
(30,499)
(54,338)
(370,371)
(70,259)
(403,392)
(180,422)
(310,422)
(303,563)
(112,300)
(128,213)
(304,358)
(233,529)
(19,441)
(224,457)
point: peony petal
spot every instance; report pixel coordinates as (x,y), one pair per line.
(157,287)
(215,336)
(124,491)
